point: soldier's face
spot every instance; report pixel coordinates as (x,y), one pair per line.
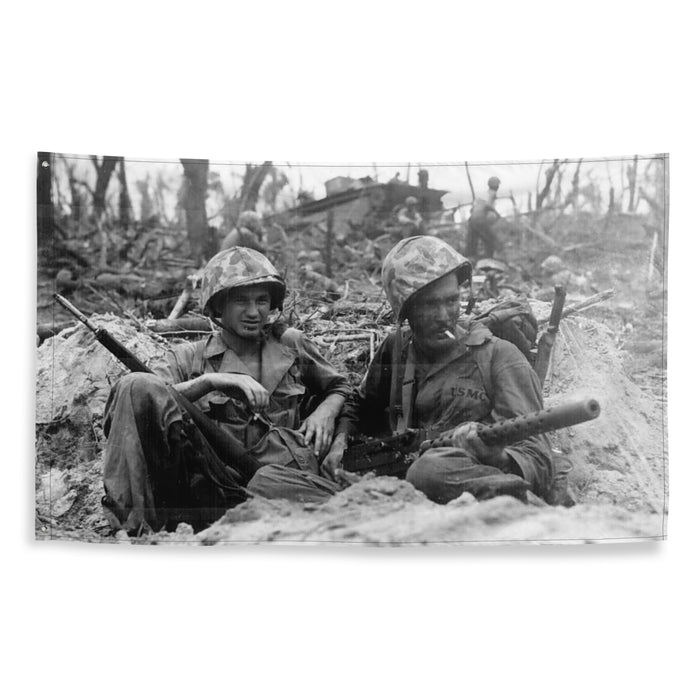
(246,310)
(434,311)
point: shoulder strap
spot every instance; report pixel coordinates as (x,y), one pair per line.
(291,337)
(483,354)
(198,362)
(395,402)
(405,419)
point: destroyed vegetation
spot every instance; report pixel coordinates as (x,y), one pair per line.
(125,244)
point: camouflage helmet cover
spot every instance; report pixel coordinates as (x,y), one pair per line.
(239,267)
(414,263)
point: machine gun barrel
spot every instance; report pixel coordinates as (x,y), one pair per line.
(506,432)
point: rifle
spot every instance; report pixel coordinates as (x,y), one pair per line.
(392,456)
(546,341)
(229,450)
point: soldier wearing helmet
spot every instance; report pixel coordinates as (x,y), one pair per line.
(409,218)
(248,232)
(481,224)
(249,377)
(442,375)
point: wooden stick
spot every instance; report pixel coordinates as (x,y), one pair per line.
(328,253)
(652,255)
(194,324)
(583,304)
(344,339)
(469,178)
(180,304)
(542,236)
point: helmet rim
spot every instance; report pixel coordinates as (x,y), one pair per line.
(240,267)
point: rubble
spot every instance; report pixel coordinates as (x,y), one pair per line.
(384,510)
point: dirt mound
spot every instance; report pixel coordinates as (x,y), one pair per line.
(620,457)
(75,372)
(74,376)
(384,510)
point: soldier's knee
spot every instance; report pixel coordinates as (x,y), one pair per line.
(267,481)
(137,392)
(426,476)
(140,384)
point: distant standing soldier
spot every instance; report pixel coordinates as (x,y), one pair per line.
(481,224)
(409,218)
(248,232)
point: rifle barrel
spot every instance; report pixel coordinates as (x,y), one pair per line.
(75,311)
(120,351)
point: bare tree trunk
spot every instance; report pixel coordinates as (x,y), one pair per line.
(549,176)
(104,172)
(159,199)
(76,200)
(146,208)
(632,179)
(329,243)
(575,186)
(44,201)
(194,202)
(469,180)
(252,182)
(560,179)
(557,189)
(124,199)
(516,217)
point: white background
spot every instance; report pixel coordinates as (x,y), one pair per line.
(364,82)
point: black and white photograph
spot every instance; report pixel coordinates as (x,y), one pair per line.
(379,353)
(349,350)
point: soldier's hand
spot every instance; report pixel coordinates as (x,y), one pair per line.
(332,463)
(255,393)
(318,429)
(466,437)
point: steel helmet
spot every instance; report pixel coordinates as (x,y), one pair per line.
(552,264)
(494,183)
(239,267)
(414,263)
(486,264)
(250,219)
(411,200)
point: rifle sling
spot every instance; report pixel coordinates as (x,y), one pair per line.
(408,387)
(395,407)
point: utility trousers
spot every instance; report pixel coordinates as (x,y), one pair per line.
(159,469)
(442,474)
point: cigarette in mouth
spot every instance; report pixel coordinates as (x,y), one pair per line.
(449,334)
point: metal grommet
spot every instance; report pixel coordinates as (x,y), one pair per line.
(44,163)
